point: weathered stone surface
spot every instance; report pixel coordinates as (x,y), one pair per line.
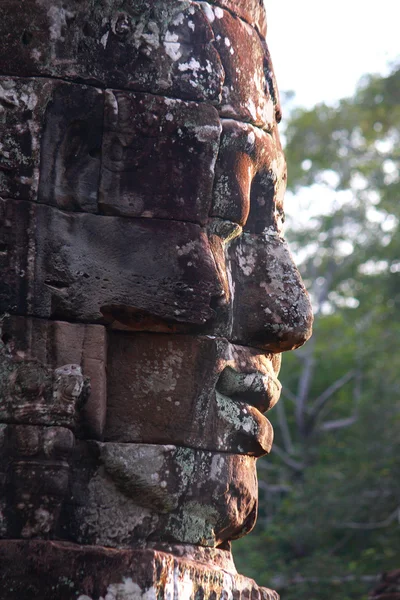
(250,178)
(188,390)
(123,121)
(38,411)
(82,266)
(22,105)
(56,343)
(252,11)
(50,142)
(271,306)
(34,473)
(220,558)
(158,157)
(140,46)
(124,495)
(16,256)
(70,144)
(32,393)
(246,93)
(61,571)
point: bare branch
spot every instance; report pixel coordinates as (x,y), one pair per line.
(338,423)
(298,580)
(378,525)
(273,489)
(328,393)
(284,427)
(328,276)
(263,465)
(288,460)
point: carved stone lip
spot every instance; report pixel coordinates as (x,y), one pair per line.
(251,377)
(261,390)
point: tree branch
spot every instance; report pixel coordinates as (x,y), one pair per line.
(378,525)
(274,488)
(263,465)
(284,427)
(289,394)
(290,462)
(337,424)
(323,398)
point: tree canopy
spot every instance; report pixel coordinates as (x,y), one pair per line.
(329,514)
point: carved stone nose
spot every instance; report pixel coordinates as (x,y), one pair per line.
(271,306)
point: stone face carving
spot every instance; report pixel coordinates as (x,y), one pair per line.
(146,293)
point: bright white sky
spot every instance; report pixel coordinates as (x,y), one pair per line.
(320,48)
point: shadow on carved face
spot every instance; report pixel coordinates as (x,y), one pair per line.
(186,239)
(261,300)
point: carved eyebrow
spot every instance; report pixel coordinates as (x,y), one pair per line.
(226,230)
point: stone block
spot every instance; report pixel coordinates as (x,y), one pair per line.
(246,93)
(124,495)
(34,473)
(80,267)
(251,11)
(71,147)
(22,106)
(194,391)
(164,49)
(56,343)
(34,394)
(17,256)
(50,143)
(59,571)
(158,157)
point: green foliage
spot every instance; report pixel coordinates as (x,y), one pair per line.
(329,494)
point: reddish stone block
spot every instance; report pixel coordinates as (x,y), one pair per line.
(158,157)
(59,571)
(251,11)
(246,93)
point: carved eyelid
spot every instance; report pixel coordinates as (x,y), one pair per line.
(226,230)
(248,170)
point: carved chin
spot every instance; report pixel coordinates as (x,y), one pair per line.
(138,493)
